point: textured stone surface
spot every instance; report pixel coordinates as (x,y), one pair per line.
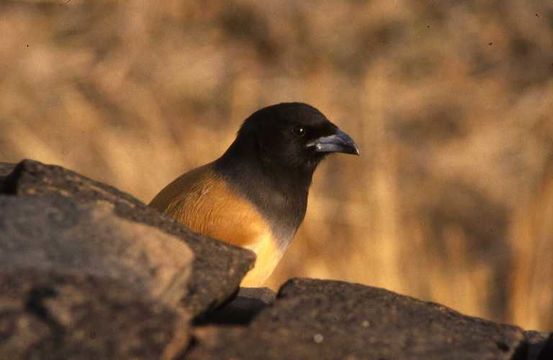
(536,343)
(547,350)
(5,169)
(48,315)
(88,272)
(314,319)
(56,234)
(540,345)
(218,268)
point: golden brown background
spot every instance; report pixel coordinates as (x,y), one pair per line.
(451,103)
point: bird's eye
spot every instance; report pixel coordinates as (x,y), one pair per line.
(299,131)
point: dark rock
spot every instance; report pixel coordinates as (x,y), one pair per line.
(5,169)
(56,234)
(546,351)
(48,315)
(218,268)
(263,295)
(536,341)
(314,319)
(242,309)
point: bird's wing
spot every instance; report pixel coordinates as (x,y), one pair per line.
(203,201)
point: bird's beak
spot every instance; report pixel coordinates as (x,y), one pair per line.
(339,142)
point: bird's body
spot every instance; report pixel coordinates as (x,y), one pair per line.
(205,202)
(255,195)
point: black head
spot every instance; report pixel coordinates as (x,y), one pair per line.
(273,158)
(294,136)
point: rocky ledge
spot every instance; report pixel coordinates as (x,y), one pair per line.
(89,272)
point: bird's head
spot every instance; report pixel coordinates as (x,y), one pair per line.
(293,135)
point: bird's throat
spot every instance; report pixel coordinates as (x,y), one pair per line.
(279,194)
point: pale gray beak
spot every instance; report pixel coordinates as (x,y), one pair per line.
(339,142)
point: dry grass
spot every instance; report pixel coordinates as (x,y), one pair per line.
(451,104)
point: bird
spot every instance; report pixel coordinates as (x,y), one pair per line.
(255,195)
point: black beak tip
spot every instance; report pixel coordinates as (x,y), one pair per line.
(348,145)
(351,150)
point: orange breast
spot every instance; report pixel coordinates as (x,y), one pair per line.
(204,202)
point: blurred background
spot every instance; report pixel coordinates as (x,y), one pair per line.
(451,103)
